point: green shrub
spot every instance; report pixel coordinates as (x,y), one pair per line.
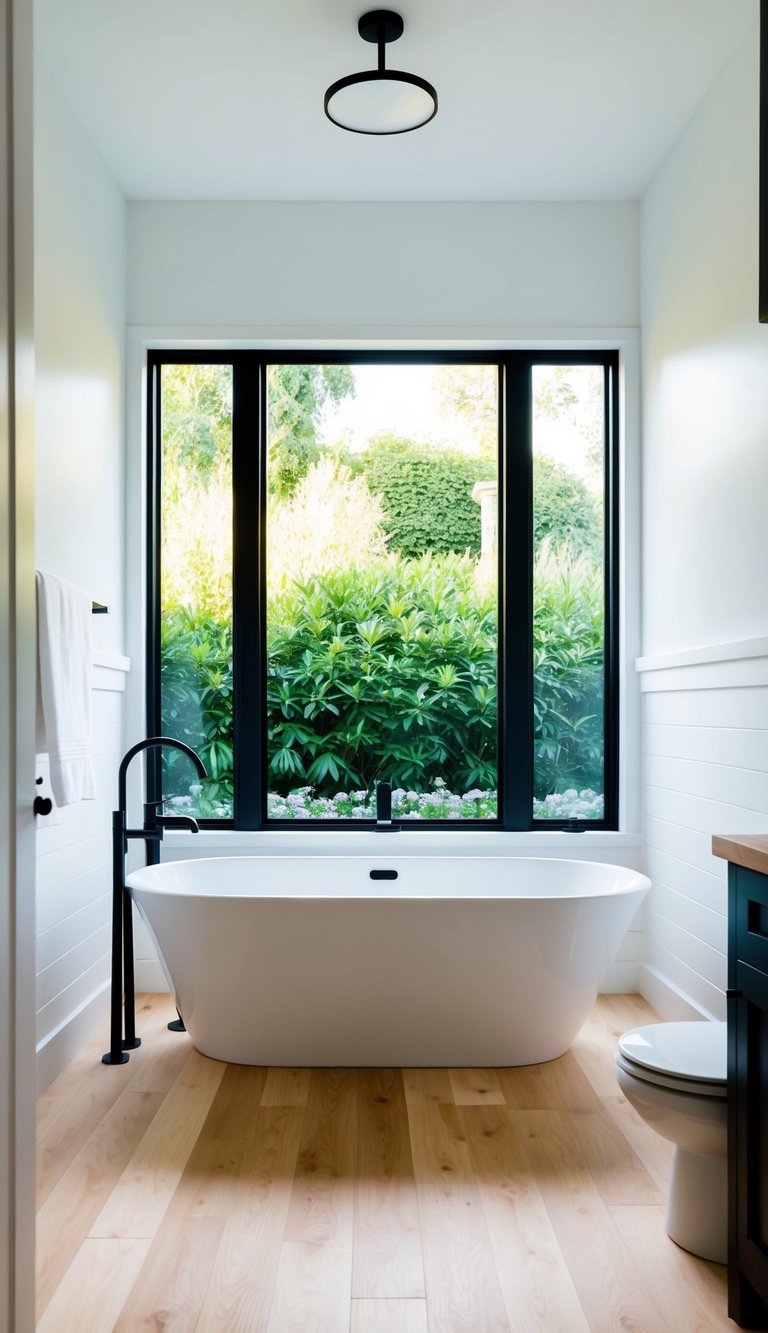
(564,511)
(196,689)
(426,495)
(567,673)
(390,671)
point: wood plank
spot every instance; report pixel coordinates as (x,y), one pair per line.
(427,1085)
(72,1107)
(158,1068)
(476,1087)
(286,1087)
(241,1285)
(387,1259)
(655,1153)
(595,1047)
(459,1266)
(388,1316)
(694,1293)
(170,1290)
(140,1198)
(95,1288)
(321,1201)
(600,1146)
(76,1200)
(234,1108)
(314,1274)
(558,1085)
(312,1288)
(535,1281)
(610,1289)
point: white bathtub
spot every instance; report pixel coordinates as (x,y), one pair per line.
(298,960)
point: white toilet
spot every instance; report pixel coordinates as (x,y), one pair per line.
(674,1074)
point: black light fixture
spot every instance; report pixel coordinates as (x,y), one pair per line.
(381,101)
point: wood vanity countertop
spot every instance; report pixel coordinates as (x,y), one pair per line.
(744,849)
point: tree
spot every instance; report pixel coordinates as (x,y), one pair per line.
(564,511)
(297,395)
(426,494)
(197,420)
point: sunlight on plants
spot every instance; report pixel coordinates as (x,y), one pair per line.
(382,622)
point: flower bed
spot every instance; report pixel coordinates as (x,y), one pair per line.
(440,803)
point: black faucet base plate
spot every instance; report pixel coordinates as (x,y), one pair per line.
(110,1059)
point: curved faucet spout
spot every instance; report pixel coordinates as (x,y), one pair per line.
(148,745)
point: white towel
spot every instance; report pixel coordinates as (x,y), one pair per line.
(64,657)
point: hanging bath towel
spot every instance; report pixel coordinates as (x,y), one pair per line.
(64,659)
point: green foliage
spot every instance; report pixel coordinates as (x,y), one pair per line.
(567,673)
(564,512)
(387,671)
(197,421)
(426,495)
(196,690)
(297,394)
(390,671)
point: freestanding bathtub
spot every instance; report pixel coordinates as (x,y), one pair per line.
(385,959)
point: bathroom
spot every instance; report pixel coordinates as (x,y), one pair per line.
(152,230)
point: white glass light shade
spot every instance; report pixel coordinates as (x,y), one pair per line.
(385,102)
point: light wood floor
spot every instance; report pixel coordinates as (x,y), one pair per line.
(178,1193)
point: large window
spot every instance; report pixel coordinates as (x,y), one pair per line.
(393,567)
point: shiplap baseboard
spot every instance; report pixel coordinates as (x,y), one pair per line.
(666,998)
(58,1047)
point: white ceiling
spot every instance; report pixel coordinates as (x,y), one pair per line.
(539,99)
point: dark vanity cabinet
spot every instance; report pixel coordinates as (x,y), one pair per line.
(747,1078)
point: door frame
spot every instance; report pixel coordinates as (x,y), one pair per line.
(17,673)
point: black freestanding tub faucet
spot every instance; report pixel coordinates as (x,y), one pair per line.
(122,907)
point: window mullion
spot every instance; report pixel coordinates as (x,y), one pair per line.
(516,714)
(248,644)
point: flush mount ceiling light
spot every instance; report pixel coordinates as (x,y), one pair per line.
(380,101)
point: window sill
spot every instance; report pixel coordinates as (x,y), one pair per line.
(230,842)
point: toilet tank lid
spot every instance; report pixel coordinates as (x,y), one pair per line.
(689,1050)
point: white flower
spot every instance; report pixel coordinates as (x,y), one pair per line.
(438,782)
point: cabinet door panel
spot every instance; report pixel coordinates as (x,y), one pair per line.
(749,1116)
(751,912)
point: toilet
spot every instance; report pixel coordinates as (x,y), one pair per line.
(674,1074)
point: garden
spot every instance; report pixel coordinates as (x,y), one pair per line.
(382,607)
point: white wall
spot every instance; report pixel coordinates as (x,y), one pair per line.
(80,266)
(384,266)
(705,555)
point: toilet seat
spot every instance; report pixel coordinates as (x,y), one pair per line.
(687,1057)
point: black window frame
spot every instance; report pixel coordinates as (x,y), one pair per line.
(515,555)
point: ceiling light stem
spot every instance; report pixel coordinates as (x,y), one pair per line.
(382,47)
